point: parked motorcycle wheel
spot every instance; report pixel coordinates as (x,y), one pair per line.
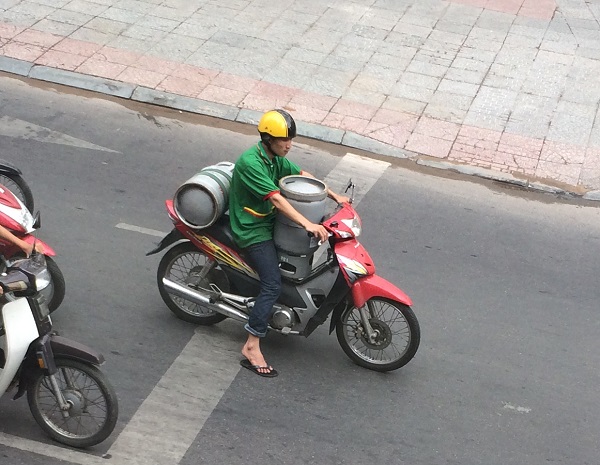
(182,264)
(17,185)
(55,292)
(398,335)
(93,411)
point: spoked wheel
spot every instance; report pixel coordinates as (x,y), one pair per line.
(184,264)
(93,406)
(396,335)
(17,185)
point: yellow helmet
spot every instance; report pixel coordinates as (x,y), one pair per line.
(276,123)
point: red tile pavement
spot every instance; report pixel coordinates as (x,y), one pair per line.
(180,86)
(101,68)
(422,134)
(590,171)
(222,95)
(61,60)
(428,145)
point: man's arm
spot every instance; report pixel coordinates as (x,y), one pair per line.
(10,237)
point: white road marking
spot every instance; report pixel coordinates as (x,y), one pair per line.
(16,128)
(168,421)
(139,229)
(364,172)
(516,408)
(170,418)
(49,450)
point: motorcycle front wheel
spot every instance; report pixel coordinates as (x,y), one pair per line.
(17,185)
(93,406)
(183,264)
(397,335)
(55,292)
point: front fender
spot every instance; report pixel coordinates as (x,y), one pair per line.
(66,348)
(53,347)
(375,286)
(9,168)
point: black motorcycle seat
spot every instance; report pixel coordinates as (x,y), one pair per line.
(221,231)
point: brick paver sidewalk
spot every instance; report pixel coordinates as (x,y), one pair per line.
(509,85)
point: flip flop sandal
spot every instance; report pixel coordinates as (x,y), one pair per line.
(254,369)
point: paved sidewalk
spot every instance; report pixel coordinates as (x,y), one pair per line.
(498,88)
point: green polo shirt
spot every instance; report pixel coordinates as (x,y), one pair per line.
(255,179)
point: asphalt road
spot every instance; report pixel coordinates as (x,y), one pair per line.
(504,286)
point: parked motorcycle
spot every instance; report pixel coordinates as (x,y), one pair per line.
(68,395)
(19,220)
(11,177)
(206,278)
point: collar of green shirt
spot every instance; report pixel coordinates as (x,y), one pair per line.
(263,154)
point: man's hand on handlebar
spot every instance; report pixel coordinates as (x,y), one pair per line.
(317,230)
(340,199)
(28,248)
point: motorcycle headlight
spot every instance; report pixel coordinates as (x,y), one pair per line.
(354,225)
(42,279)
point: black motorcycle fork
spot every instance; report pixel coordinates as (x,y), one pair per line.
(334,302)
(42,358)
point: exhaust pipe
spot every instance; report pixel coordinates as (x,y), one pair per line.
(203,299)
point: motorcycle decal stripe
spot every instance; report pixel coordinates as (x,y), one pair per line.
(224,256)
(353,265)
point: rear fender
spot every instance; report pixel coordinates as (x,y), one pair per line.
(167,241)
(374,286)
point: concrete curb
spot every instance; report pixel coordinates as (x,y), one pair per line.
(507,178)
(313,131)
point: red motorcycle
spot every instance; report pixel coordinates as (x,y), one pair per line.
(206,278)
(15,217)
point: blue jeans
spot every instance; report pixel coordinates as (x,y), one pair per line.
(263,257)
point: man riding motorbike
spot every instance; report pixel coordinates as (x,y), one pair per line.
(254,200)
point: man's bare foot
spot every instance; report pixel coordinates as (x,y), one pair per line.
(251,351)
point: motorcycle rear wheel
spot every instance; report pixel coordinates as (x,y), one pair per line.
(179,264)
(93,404)
(17,185)
(398,335)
